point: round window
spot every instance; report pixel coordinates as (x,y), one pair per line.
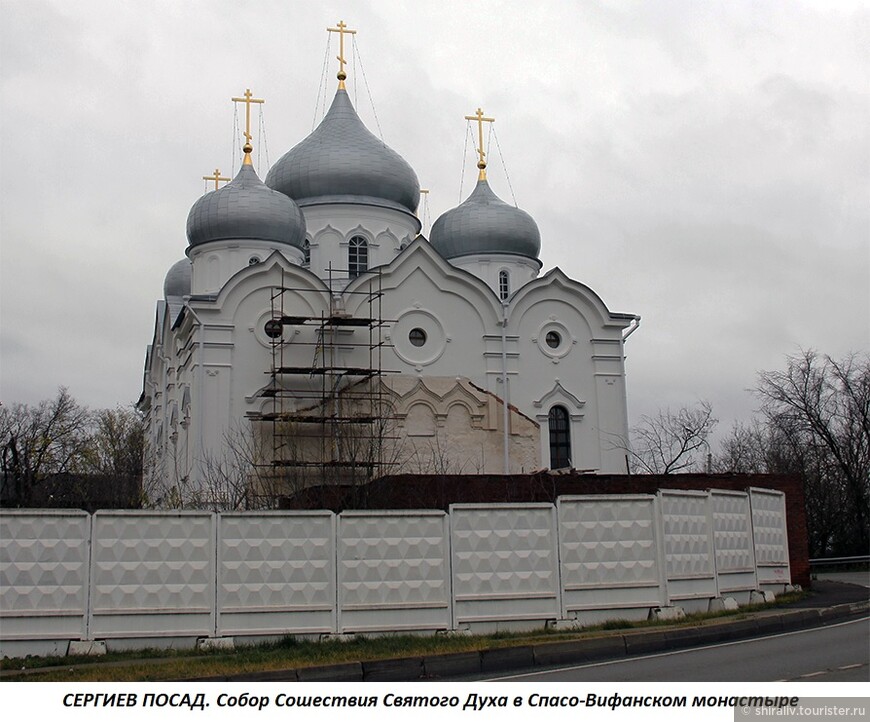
(253,260)
(417,337)
(553,339)
(274,328)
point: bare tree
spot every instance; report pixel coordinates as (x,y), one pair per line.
(57,453)
(163,484)
(240,477)
(50,438)
(117,442)
(819,409)
(672,441)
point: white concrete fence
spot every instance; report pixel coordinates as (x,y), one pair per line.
(133,579)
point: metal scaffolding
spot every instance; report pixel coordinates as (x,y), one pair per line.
(329,418)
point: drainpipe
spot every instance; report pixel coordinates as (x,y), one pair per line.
(200,382)
(635,323)
(504,384)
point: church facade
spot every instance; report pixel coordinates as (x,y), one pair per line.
(313,333)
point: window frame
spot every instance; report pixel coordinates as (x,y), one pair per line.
(504,284)
(559,430)
(357,256)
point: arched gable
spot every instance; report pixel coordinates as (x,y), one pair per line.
(558,395)
(274,271)
(388,239)
(555,284)
(420,392)
(327,235)
(449,279)
(558,398)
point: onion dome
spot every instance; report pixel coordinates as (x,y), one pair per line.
(343,162)
(177,283)
(245,209)
(484,223)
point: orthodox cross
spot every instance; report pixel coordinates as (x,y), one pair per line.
(341,29)
(479,117)
(216,178)
(247,100)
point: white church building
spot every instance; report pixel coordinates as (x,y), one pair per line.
(312,325)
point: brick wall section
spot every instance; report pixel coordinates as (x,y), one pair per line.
(439,491)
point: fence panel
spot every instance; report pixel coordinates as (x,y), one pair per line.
(44,564)
(152,575)
(770,538)
(393,571)
(732,534)
(276,573)
(505,565)
(611,557)
(688,545)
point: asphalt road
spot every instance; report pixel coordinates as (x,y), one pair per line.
(836,653)
(860,578)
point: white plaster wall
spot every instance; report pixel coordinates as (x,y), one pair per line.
(225,364)
(565,375)
(487,267)
(213,264)
(446,425)
(330,227)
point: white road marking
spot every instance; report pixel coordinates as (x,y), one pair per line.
(679,651)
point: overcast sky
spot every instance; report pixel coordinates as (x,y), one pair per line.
(703,164)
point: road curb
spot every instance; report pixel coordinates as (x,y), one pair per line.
(553,654)
(608,646)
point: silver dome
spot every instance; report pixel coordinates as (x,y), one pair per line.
(177,282)
(485,224)
(343,162)
(245,209)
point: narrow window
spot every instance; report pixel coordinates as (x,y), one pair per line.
(306,252)
(504,285)
(357,256)
(560,438)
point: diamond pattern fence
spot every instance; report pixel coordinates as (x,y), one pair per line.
(276,573)
(770,539)
(687,526)
(44,559)
(138,576)
(152,574)
(735,554)
(612,562)
(505,565)
(393,571)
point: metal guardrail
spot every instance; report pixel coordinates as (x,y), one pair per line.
(839,561)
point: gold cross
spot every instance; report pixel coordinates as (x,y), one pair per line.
(216,178)
(341,30)
(479,117)
(247,100)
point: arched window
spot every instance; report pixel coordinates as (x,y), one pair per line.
(357,256)
(560,438)
(306,252)
(504,285)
